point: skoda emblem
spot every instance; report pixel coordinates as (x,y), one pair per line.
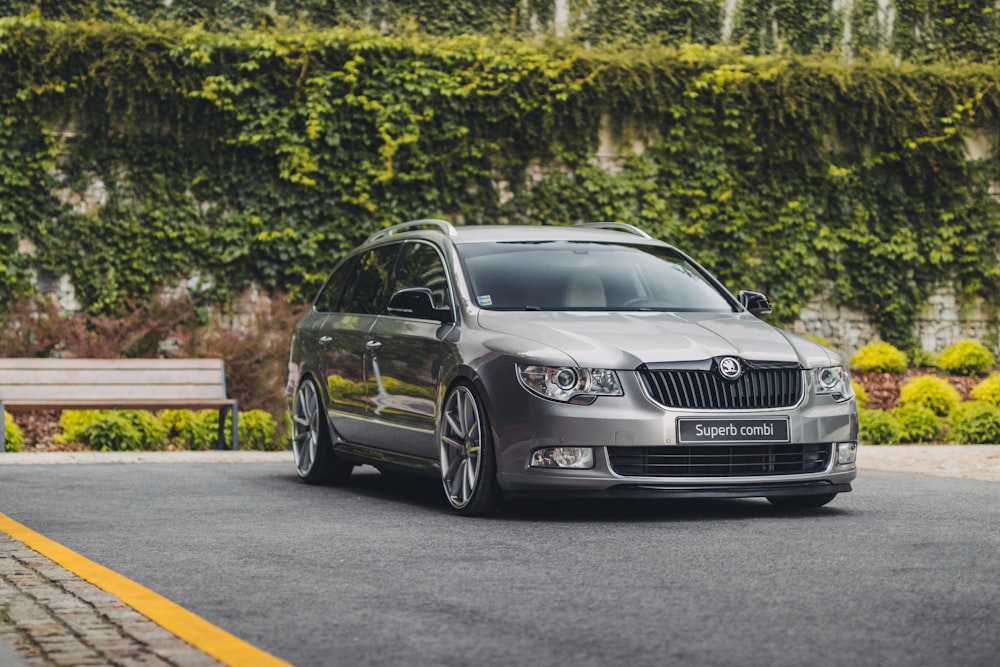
(730,368)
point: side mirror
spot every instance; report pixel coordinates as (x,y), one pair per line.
(417,302)
(755,303)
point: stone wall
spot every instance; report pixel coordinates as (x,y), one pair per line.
(944,321)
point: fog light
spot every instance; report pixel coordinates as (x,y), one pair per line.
(847,452)
(563,457)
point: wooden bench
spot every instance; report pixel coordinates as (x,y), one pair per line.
(90,384)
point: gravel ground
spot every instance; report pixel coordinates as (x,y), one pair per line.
(968,461)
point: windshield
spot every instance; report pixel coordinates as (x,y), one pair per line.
(561,275)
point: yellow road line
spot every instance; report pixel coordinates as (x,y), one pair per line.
(193,629)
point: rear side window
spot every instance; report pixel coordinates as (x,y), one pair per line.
(366,291)
(329,297)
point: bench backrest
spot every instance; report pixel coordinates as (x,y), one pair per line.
(78,381)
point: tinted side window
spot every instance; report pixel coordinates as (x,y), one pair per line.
(421,266)
(366,291)
(328,297)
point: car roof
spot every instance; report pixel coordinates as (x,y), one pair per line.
(461,234)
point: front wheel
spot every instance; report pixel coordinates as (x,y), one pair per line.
(315,459)
(468,464)
(802,502)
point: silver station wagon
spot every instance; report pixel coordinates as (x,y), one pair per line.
(540,361)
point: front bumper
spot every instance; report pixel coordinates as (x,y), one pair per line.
(526,423)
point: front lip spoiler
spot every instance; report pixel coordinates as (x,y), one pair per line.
(653,491)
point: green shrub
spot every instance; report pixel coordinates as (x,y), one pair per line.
(931,392)
(112,430)
(190,429)
(152,433)
(860,395)
(966,357)
(879,356)
(878,427)
(921,358)
(976,423)
(917,423)
(988,390)
(257,430)
(15,436)
(74,422)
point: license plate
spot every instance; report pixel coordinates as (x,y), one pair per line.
(733,430)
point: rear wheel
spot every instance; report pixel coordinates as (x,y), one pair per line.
(468,464)
(315,459)
(801,502)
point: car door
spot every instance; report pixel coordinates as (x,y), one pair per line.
(404,357)
(355,300)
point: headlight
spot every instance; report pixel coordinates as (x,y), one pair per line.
(567,384)
(834,381)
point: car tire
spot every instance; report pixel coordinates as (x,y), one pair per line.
(315,460)
(801,502)
(468,461)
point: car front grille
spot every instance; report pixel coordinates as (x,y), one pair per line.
(719,460)
(757,389)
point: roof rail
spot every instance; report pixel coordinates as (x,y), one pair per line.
(617,226)
(441,225)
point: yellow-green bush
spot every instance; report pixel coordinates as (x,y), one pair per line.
(112,430)
(976,423)
(878,427)
(931,392)
(188,429)
(15,436)
(921,358)
(966,357)
(879,356)
(988,390)
(860,395)
(257,430)
(192,429)
(917,423)
(72,423)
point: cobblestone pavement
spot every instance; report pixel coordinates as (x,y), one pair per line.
(50,616)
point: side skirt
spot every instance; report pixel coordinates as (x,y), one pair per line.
(383,459)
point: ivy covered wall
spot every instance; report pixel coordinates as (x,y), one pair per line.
(135,154)
(919,30)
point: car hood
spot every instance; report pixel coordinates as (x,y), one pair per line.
(624,340)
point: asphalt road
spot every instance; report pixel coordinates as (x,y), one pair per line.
(903,571)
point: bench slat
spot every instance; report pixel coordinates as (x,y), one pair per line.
(42,363)
(15,406)
(78,376)
(118,392)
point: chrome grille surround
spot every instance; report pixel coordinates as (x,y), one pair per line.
(700,386)
(720,460)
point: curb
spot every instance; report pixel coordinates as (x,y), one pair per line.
(207,456)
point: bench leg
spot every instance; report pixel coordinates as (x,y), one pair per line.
(234,438)
(236,429)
